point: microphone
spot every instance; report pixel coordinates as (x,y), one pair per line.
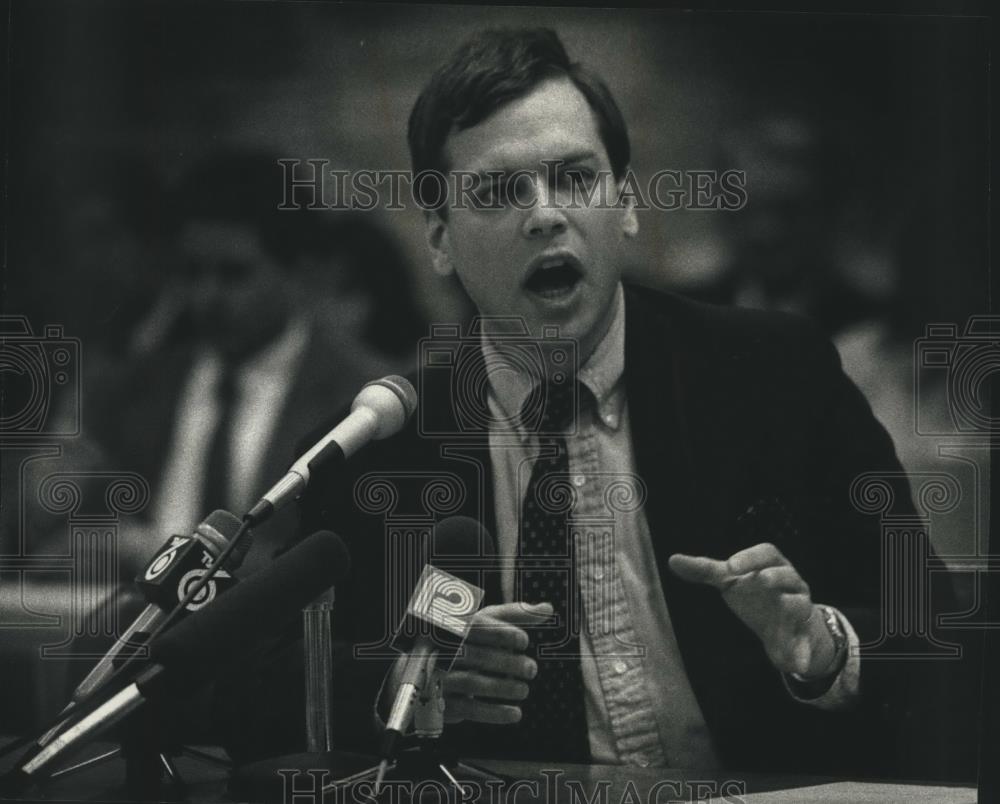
(381,409)
(439,614)
(198,648)
(164,582)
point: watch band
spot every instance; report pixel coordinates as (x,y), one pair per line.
(836,629)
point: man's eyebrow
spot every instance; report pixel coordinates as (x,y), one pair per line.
(576,156)
(572,158)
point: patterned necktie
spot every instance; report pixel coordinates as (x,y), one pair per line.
(553,722)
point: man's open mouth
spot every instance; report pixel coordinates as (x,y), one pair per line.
(554,276)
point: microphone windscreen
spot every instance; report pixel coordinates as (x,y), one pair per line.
(403,389)
(463,547)
(218,529)
(223,521)
(461,536)
(392,399)
(234,625)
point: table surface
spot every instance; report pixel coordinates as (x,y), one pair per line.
(521,783)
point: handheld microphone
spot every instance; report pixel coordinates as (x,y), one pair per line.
(164,582)
(201,647)
(439,614)
(380,409)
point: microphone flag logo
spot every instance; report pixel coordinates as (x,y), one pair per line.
(160,564)
(444,601)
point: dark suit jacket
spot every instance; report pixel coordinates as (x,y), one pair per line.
(132,419)
(727,407)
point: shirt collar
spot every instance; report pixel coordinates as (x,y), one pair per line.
(602,373)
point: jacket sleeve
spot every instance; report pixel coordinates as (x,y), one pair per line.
(875,565)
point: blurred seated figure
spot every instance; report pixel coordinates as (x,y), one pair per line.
(210,417)
(265,322)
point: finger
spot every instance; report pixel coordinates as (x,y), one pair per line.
(494,633)
(462,682)
(497,625)
(797,607)
(458,708)
(520,613)
(758,557)
(500,662)
(780,579)
(700,569)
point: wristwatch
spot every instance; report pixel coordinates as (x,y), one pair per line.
(820,684)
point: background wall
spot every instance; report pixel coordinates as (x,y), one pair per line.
(903,100)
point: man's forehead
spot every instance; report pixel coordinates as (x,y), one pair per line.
(553,122)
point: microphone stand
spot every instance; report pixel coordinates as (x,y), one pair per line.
(317,626)
(147,759)
(428,760)
(140,762)
(261,780)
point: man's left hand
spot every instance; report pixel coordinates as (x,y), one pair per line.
(767,593)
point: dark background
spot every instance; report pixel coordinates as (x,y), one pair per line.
(901,98)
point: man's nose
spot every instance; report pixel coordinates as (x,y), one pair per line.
(545,217)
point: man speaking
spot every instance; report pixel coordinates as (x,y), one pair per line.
(683,579)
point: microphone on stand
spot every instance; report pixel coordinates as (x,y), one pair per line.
(381,409)
(206,645)
(164,583)
(433,630)
(460,544)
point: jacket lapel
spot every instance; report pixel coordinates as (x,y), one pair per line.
(661,436)
(452,433)
(676,401)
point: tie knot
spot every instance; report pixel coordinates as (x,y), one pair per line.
(552,406)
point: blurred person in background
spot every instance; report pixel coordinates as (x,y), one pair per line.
(211,348)
(279,321)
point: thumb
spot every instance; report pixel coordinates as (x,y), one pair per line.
(520,613)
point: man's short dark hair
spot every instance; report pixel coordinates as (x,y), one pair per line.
(236,186)
(491,69)
(245,186)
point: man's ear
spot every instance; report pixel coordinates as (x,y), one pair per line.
(629,221)
(436,233)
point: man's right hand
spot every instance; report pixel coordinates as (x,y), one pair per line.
(490,677)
